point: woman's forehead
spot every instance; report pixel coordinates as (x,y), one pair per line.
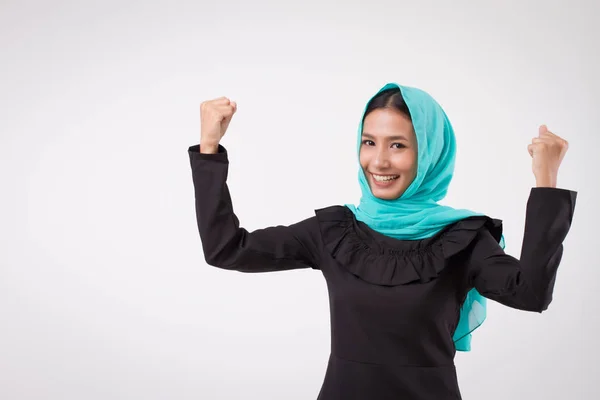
(388,124)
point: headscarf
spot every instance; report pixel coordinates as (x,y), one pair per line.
(416,214)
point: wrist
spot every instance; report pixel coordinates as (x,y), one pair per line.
(209,148)
(545,181)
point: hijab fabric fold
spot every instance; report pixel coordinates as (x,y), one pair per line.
(416,214)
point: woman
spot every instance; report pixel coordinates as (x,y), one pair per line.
(407,277)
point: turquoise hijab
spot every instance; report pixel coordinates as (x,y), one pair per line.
(416,214)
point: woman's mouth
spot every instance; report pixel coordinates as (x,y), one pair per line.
(384,180)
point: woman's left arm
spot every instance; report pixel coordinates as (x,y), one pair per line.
(526,283)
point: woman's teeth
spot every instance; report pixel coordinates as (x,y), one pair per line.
(385,178)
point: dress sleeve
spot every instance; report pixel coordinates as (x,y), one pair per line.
(526,283)
(227,245)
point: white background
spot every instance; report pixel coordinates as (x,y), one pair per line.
(104,292)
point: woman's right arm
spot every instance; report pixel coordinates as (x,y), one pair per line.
(227,245)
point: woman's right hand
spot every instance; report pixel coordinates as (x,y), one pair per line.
(215,116)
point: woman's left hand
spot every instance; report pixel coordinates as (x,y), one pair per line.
(547,151)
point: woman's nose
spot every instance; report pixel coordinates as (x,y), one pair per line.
(382,159)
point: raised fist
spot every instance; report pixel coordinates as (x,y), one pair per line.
(547,151)
(215,116)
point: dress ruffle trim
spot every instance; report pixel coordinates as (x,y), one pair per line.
(409,261)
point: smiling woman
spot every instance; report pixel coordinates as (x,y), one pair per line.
(388,153)
(407,277)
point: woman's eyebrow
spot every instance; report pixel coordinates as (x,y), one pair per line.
(395,137)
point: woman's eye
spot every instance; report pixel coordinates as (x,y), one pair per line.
(368,142)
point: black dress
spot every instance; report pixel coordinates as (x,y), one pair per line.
(394,304)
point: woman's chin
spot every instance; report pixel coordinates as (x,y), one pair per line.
(387,196)
(388,193)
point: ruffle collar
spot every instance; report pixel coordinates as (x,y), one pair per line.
(382,260)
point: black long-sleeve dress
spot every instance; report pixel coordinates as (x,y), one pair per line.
(394,304)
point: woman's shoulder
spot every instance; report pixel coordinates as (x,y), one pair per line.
(383,260)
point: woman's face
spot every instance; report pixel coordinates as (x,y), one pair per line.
(388,152)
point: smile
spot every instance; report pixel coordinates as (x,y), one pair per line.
(384,180)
